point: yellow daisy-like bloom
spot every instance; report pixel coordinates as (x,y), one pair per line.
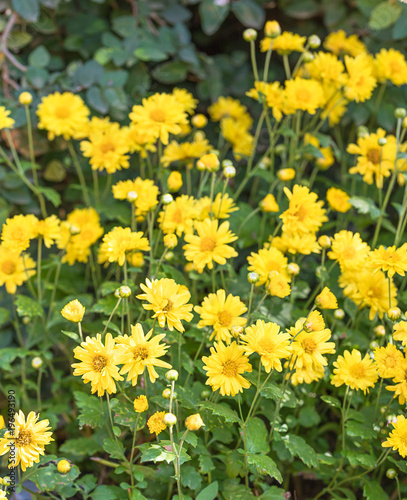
(390,260)
(140,404)
(267,340)
(326,299)
(391,65)
(63,114)
(285,43)
(339,43)
(360,82)
(168,300)
(141,140)
(161,114)
(294,243)
(400,382)
(222,313)
(400,332)
(388,360)
(28,440)
(185,151)
(209,245)
(237,134)
(224,368)
(335,104)
(18,231)
(304,214)
(272,94)
(185,99)
(98,363)
(349,250)
(222,207)
(227,107)
(338,200)
(269,204)
(15,269)
(307,374)
(353,371)
(398,436)
(266,261)
(155,423)
(174,182)
(96,124)
(119,242)
(147,194)
(107,150)
(308,347)
(49,230)
(302,94)
(73,311)
(178,217)
(5,120)
(327,68)
(374,162)
(327,159)
(138,352)
(277,285)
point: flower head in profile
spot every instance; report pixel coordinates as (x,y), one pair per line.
(5,120)
(120,242)
(307,374)
(388,360)
(225,367)
(391,260)
(277,285)
(326,299)
(266,340)
(398,436)
(28,440)
(49,230)
(354,371)
(98,364)
(15,269)
(222,313)
(168,300)
(399,386)
(63,115)
(140,404)
(73,311)
(269,204)
(155,423)
(338,200)
(270,93)
(18,231)
(327,68)
(265,261)
(400,332)
(138,352)
(210,244)
(186,151)
(391,65)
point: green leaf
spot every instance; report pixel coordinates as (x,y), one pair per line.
(72,335)
(90,411)
(26,306)
(357,458)
(4,315)
(400,28)
(356,429)
(273,493)
(18,39)
(150,52)
(104,492)
(309,417)
(221,410)
(8,355)
(257,435)
(212,16)
(373,491)
(38,77)
(262,464)
(209,493)
(331,400)
(96,100)
(205,464)
(114,447)
(51,195)
(171,72)
(249,13)
(190,478)
(384,15)
(80,448)
(399,463)
(27,9)
(48,478)
(39,57)
(297,446)
(365,206)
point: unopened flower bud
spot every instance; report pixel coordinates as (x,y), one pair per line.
(229,172)
(123,291)
(400,113)
(166,199)
(373,345)
(308,56)
(280,149)
(169,256)
(64,466)
(170,419)
(205,394)
(286,174)
(7,480)
(36,363)
(26,320)
(319,271)
(73,311)
(324,241)
(25,98)
(170,241)
(209,162)
(293,269)
(308,327)
(166,394)
(174,181)
(391,473)
(249,35)
(379,330)
(236,331)
(171,375)
(272,29)
(362,131)
(404,123)
(314,41)
(74,229)
(394,314)
(382,141)
(339,314)
(132,196)
(199,121)
(194,422)
(253,277)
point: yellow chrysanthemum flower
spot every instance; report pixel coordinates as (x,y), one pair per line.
(18,231)
(119,242)
(339,43)
(140,404)
(335,104)
(161,114)
(272,94)
(267,340)
(28,440)
(5,120)
(174,181)
(295,243)
(302,94)
(327,68)
(326,299)
(227,107)
(400,332)
(327,159)
(186,151)
(138,352)
(398,436)
(168,300)
(15,269)
(237,134)
(277,285)
(98,363)
(304,214)
(178,217)
(185,99)
(49,230)
(266,261)
(222,313)
(390,260)
(155,423)
(141,140)
(307,374)
(388,360)
(224,368)
(73,311)
(269,204)
(222,207)
(338,200)
(63,114)
(357,373)
(209,245)
(391,65)
(349,250)
(360,81)
(145,189)
(285,43)
(400,382)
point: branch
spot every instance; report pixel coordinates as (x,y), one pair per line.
(9,26)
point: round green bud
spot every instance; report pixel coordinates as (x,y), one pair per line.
(171,375)
(400,113)
(170,419)
(249,35)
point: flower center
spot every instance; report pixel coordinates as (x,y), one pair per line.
(169,306)
(62,112)
(267,345)
(374,155)
(24,438)
(309,345)
(230,369)
(157,115)
(99,363)
(140,353)
(303,95)
(177,216)
(208,243)
(390,362)
(8,267)
(224,318)
(357,371)
(106,147)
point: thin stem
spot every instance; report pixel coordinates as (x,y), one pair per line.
(111,316)
(79,173)
(132,450)
(39,258)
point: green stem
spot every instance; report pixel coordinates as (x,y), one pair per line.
(39,258)
(111,316)
(79,173)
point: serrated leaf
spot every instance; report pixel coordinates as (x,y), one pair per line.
(53,196)
(264,465)
(72,335)
(9,354)
(257,436)
(90,411)
(26,306)
(190,478)
(114,447)
(332,401)
(297,446)
(373,491)
(357,458)
(221,410)
(357,429)
(384,15)
(209,493)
